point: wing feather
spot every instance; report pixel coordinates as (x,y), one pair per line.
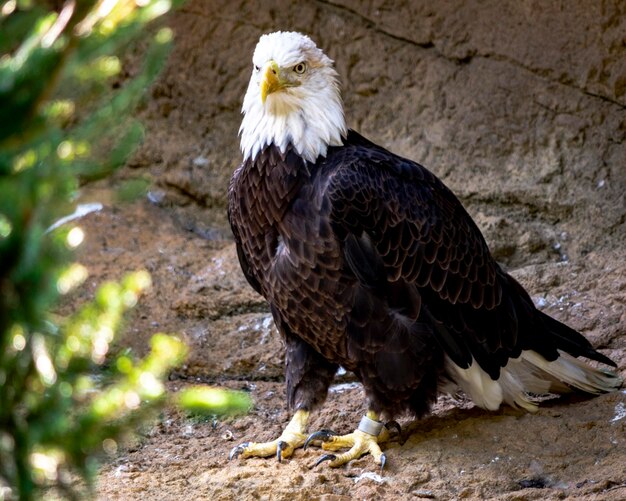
(407,236)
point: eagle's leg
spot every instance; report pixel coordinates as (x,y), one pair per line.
(308,377)
(292,437)
(363,440)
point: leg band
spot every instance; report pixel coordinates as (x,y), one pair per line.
(370,426)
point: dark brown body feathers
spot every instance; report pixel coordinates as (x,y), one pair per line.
(369,262)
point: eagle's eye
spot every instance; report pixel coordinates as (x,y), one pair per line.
(256,68)
(300,68)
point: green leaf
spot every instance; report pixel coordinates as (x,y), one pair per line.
(206,400)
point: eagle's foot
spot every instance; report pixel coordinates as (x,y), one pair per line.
(282,447)
(292,438)
(358,443)
(363,440)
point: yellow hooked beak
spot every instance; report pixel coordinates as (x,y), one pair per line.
(271,81)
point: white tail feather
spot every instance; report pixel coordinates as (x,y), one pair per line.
(575,373)
(531,374)
(484,391)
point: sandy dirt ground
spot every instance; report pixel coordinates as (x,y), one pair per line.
(519,106)
(573,448)
(569,449)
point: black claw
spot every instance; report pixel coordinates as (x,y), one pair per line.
(383,461)
(325,457)
(395,425)
(323,435)
(238,449)
(279,450)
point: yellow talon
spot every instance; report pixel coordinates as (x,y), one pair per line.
(358,442)
(291,438)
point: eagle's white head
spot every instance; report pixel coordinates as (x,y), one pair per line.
(293,98)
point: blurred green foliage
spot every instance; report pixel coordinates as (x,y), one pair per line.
(207,401)
(66,117)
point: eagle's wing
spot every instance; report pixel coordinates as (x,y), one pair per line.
(234,214)
(410,243)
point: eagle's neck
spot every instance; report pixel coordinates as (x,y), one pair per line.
(308,121)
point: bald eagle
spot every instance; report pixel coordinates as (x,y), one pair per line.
(369,262)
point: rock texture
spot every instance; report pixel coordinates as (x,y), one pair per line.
(519,105)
